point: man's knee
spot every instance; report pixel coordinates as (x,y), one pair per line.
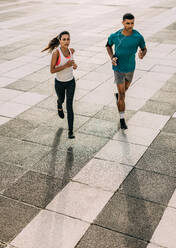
(121,95)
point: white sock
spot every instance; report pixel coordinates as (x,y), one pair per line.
(122,115)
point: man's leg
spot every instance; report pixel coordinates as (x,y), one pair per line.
(121,104)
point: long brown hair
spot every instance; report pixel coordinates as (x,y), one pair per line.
(55,42)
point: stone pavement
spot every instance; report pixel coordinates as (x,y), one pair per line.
(106,188)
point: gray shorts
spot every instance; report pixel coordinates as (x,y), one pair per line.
(121,77)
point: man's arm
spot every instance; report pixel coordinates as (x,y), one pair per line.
(110,52)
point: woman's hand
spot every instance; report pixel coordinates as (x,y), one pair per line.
(69,63)
(75,66)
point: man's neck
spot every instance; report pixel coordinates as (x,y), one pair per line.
(127,33)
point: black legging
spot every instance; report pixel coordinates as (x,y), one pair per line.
(69,87)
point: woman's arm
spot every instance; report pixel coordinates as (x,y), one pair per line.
(54,59)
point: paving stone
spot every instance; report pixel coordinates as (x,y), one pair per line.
(128,215)
(97,237)
(17,128)
(99,127)
(161,161)
(149,120)
(170,127)
(165,142)
(8,174)
(40,76)
(10,110)
(149,186)
(165,96)
(103,174)
(160,108)
(164,233)
(3,120)
(121,152)
(169,86)
(80,201)
(21,153)
(22,85)
(136,135)
(37,115)
(110,113)
(14,217)
(34,188)
(54,229)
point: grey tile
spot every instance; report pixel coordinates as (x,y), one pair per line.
(165,96)
(17,128)
(37,115)
(14,217)
(20,152)
(34,188)
(161,161)
(170,127)
(23,85)
(170,85)
(86,108)
(99,127)
(165,142)
(161,108)
(40,76)
(98,237)
(66,162)
(8,174)
(49,103)
(49,136)
(110,113)
(128,215)
(149,186)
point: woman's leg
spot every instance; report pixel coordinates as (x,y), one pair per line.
(70,90)
(60,91)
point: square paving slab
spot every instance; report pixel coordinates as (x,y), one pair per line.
(80,201)
(149,120)
(98,237)
(14,217)
(164,234)
(128,215)
(136,135)
(103,174)
(48,229)
(34,188)
(121,152)
(165,142)
(149,186)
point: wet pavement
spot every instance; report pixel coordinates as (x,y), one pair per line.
(106,188)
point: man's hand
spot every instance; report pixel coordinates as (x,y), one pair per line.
(142,53)
(114,60)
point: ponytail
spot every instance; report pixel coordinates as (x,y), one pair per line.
(52,44)
(55,42)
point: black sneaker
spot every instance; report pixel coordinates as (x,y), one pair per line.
(70,135)
(116,97)
(123,124)
(61,113)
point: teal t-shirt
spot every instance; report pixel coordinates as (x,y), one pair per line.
(125,49)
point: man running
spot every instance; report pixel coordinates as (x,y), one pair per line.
(126,41)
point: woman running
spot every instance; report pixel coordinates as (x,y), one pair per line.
(62,64)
